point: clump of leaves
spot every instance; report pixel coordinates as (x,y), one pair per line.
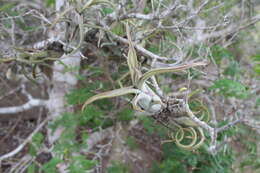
(117,167)
(50,166)
(226,60)
(178,160)
(36,143)
(147,99)
(80,164)
(68,143)
(125,115)
(78,96)
(230,88)
(256,61)
(131,142)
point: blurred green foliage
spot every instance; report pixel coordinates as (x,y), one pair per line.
(36,143)
(225,59)
(80,164)
(131,143)
(256,63)
(178,160)
(50,3)
(107,11)
(230,88)
(117,167)
(126,115)
(50,166)
(6,7)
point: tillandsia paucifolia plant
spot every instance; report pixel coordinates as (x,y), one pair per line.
(152,102)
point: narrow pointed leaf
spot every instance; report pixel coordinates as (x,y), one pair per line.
(132,59)
(112,93)
(152,72)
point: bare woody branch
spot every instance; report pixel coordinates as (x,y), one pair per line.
(25,142)
(29,105)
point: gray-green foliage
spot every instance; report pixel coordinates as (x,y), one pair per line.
(71,140)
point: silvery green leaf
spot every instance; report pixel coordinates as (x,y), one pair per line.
(156,71)
(132,59)
(113,93)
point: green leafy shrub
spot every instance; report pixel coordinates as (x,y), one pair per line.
(36,143)
(219,53)
(125,115)
(178,160)
(50,167)
(256,61)
(117,167)
(230,88)
(131,142)
(80,164)
(78,96)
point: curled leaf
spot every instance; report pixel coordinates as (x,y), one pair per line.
(182,137)
(202,138)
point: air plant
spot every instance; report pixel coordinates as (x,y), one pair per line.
(148,100)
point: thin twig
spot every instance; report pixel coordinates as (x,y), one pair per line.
(26,141)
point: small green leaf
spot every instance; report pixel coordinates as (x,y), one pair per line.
(170,36)
(31,168)
(92,116)
(79,96)
(118,29)
(148,124)
(80,164)
(32,150)
(131,142)
(126,115)
(233,69)
(257,68)
(117,167)
(219,53)
(154,48)
(7,7)
(37,139)
(107,11)
(50,166)
(257,104)
(50,3)
(256,58)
